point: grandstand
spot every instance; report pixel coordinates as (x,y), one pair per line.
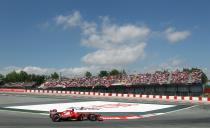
(177,82)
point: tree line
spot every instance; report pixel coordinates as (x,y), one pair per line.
(22,76)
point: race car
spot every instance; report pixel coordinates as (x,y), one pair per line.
(72,115)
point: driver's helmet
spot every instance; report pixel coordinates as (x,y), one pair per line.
(54,110)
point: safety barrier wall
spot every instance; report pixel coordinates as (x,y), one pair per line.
(199,99)
(176,89)
(152,89)
(11,90)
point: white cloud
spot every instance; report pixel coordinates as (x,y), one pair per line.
(70,72)
(78,71)
(170,64)
(28,69)
(175,36)
(70,20)
(36,70)
(115,44)
(115,56)
(5,70)
(110,36)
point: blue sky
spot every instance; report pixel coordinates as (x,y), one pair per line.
(75,36)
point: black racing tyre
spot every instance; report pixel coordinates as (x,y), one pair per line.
(92,117)
(56,118)
(80,118)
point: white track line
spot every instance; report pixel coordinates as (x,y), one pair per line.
(176,110)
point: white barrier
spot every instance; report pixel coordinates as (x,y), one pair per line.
(155,97)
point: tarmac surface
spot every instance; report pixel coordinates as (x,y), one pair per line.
(196,116)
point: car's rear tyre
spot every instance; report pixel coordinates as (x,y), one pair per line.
(56,118)
(92,117)
(80,118)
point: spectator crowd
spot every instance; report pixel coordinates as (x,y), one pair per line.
(158,78)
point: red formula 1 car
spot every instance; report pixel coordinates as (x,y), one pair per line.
(72,115)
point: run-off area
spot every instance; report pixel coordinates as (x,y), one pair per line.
(109,110)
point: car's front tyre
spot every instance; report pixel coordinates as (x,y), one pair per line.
(56,118)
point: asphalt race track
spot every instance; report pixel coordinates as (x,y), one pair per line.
(196,116)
